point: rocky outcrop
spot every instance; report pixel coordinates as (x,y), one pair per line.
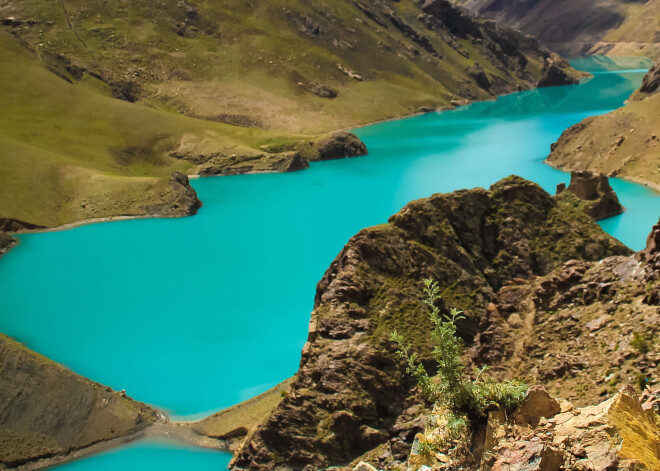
(7,225)
(599,198)
(652,250)
(260,163)
(551,435)
(285,158)
(48,411)
(14,225)
(338,145)
(184,197)
(555,75)
(351,393)
(583,330)
(6,242)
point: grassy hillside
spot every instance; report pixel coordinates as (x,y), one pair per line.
(625,142)
(265,64)
(615,27)
(64,146)
(103,100)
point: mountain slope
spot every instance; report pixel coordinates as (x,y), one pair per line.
(625,142)
(102,100)
(278,64)
(69,153)
(616,27)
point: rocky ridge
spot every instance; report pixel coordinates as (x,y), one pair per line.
(48,411)
(351,395)
(279,158)
(583,330)
(624,143)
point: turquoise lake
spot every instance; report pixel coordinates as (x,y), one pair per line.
(196,314)
(158,455)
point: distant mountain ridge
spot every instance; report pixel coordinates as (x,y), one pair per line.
(615,27)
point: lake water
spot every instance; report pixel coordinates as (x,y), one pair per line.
(160,455)
(196,314)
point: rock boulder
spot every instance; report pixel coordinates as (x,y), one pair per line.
(339,145)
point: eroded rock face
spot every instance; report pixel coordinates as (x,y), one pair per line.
(185,196)
(351,393)
(651,254)
(6,242)
(651,82)
(46,410)
(554,75)
(617,434)
(594,189)
(583,331)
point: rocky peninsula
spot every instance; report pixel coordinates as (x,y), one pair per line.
(351,395)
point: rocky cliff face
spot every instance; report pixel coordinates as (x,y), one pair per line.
(6,242)
(623,143)
(585,330)
(47,411)
(351,394)
(651,83)
(279,158)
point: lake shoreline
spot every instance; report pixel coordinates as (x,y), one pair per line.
(221,430)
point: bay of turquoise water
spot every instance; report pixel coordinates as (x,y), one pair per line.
(196,314)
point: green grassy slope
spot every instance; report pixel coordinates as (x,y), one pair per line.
(255,62)
(62,144)
(217,83)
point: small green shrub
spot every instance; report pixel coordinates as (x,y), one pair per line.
(639,343)
(452,387)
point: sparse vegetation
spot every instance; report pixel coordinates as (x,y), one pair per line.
(452,387)
(459,401)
